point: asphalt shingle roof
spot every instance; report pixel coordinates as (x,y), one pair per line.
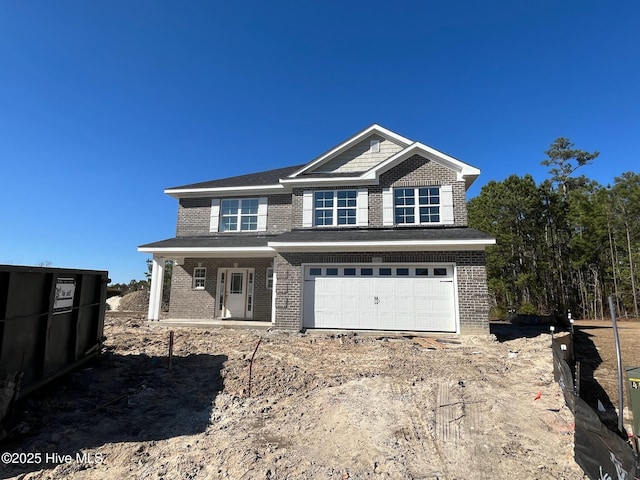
(268,177)
(324,236)
(213,241)
(382,234)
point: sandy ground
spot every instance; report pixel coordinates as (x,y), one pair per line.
(597,354)
(318,406)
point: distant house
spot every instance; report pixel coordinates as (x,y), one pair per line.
(370,235)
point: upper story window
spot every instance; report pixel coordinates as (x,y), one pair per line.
(416,205)
(238,214)
(425,205)
(335,208)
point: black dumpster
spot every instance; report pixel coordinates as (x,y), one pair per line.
(51,320)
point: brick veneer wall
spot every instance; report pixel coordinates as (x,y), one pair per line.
(471,283)
(194,216)
(200,304)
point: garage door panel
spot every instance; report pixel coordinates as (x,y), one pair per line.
(380,301)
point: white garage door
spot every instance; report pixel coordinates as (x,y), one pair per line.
(385,297)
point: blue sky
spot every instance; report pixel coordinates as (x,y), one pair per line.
(104,104)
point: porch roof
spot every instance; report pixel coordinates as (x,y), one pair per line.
(228,245)
(344,239)
(383,239)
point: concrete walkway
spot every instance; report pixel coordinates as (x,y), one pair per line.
(211,323)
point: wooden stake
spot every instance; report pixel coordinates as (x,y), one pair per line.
(170,349)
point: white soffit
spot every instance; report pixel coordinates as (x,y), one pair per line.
(239,190)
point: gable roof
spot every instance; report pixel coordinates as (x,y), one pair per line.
(280,180)
(350,142)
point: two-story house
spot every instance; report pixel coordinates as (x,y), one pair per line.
(370,235)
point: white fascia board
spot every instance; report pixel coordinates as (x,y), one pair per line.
(208,252)
(220,191)
(377,246)
(347,144)
(322,181)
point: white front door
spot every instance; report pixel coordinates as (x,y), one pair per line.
(235,292)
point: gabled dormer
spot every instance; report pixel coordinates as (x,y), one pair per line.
(378,178)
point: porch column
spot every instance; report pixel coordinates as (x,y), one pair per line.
(273,295)
(155,293)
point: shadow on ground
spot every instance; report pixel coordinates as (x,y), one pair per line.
(505,330)
(115,398)
(585,353)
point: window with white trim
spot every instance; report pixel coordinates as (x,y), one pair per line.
(239,215)
(336,207)
(199,278)
(416,206)
(269,278)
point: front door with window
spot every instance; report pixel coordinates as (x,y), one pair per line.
(235,293)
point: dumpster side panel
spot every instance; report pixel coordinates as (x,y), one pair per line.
(51,320)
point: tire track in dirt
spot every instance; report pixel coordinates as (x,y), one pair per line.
(416,429)
(458,432)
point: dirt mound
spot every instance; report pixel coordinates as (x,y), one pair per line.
(113,303)
(135,301)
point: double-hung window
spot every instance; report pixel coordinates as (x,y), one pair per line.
(199,278)
(238,214)
(333,208)
(416,206)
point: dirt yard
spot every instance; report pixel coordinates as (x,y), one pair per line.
(597,353)
(318,406)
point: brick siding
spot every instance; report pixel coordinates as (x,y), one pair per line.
(187,302)
(284,212)
(413,172)
(194,216)
(471,282)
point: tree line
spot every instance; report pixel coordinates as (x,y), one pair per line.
(135,285)
(565,244)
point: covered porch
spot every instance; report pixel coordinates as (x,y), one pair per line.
(222,279)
